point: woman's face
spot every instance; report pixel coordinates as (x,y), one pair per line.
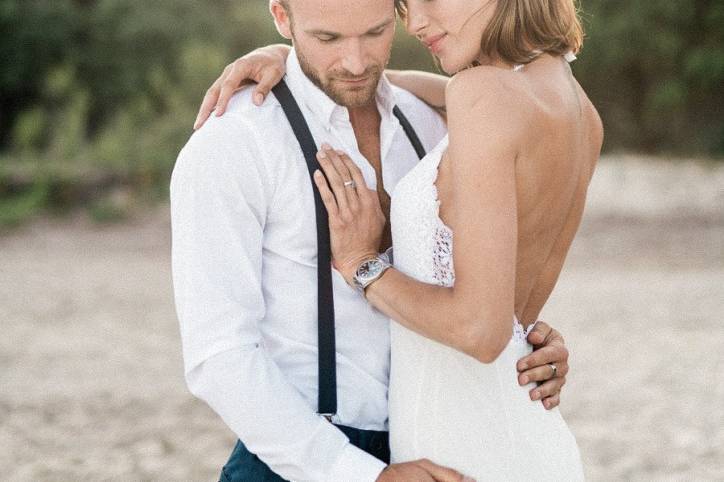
(451,29)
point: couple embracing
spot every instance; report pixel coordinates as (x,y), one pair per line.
(360,257)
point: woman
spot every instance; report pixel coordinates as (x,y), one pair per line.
(509,186)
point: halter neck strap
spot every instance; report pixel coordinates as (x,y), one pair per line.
(569,56)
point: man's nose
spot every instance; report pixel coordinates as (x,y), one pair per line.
(353,61)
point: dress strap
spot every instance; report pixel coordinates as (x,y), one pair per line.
(569,56)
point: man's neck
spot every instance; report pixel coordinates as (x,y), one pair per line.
(365,119)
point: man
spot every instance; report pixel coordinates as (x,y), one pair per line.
(245,257)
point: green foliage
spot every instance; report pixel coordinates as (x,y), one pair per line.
(109,209)
(109,89)
(15,210)
(18,207)
(655,70)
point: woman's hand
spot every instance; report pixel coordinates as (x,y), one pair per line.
(266,66)
(356,220)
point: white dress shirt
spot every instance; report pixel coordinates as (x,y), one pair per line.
(245,279)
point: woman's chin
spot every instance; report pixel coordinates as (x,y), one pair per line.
(450,66)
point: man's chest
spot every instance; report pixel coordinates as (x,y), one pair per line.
(291,220)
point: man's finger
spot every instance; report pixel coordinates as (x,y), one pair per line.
(548,354)
(540,332)
(440,473)
(542,373)
(552,402)
(547,389)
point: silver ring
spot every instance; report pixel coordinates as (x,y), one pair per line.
(349,184)
(555,370)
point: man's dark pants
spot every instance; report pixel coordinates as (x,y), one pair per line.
(247,467)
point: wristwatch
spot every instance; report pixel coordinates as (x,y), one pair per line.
(369,271)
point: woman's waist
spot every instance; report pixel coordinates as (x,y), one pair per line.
(417,360)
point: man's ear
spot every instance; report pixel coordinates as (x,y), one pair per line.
(281,19)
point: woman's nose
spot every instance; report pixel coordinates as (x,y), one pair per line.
(415,21)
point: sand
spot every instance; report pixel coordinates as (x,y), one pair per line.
(91,383)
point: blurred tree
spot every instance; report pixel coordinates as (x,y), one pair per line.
(34,37)
(655,69)
(114,84)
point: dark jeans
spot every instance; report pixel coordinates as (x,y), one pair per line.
(244,466)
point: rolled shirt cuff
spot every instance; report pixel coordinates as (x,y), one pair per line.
(356,465)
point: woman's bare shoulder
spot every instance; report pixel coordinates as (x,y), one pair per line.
(487,100)
(484,84)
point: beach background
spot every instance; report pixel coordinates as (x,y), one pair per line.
(99,96)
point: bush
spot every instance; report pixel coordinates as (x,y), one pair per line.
(108,89)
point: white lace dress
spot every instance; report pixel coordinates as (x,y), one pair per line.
(445,405)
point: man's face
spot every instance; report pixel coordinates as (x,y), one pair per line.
(343,45)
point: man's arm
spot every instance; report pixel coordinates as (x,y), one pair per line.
(218,212)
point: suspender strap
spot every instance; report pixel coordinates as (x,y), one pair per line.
(327,401)
(325,300)
(411,134)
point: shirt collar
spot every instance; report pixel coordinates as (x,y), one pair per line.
(319,103)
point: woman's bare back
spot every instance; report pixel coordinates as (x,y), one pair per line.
(554,167)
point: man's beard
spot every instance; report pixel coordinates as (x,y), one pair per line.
(350,98)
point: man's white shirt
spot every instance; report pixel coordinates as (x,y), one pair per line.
(244,271)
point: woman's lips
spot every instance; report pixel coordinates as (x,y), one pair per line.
(435,43)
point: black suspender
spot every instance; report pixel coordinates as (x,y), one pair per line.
(411,134)
(325,299)
(327,403)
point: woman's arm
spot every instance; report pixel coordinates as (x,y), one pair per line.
(475,316)
(428,87)
(266,66)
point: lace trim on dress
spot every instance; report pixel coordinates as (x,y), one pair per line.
(444,272)
(442,257)
(520,333)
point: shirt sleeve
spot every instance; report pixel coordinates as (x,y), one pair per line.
(388,255)
(218,211)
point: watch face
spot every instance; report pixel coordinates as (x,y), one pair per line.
(369,269)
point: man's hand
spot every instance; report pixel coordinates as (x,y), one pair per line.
(421,471)
(549,348)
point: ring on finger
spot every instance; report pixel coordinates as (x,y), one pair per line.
(554,368)
(350,183)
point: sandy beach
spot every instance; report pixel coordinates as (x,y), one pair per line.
(91,382)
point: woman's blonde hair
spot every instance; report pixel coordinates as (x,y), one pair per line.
(520,29)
